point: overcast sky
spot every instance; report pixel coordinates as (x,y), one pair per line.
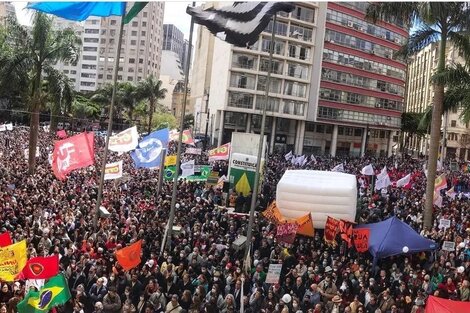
(175,13)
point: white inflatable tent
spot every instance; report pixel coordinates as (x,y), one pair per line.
(321,193)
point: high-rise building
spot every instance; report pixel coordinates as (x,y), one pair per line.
(419,97)
(173,40)
(6,9)
(140,52)
(362,86)
(228,83)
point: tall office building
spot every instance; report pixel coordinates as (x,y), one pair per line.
(140,52)
(362,87)
(419,97)
(6,9)
(173,40)
(230,82)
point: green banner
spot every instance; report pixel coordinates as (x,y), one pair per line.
(242,173)
(200,176)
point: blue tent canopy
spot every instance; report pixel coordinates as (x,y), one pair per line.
(79,11)
(387,238)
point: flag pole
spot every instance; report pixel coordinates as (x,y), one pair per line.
(254,196)
(180,139)
(160,174)
(110,124)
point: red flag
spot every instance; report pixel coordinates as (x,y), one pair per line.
(188,137)
(40,268)
(345,229)
(61,134)
(361,239)
(5,240)
(331,230)
(72,153)
(129,257)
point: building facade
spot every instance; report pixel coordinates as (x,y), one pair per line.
(173,40)
(230,82)
(6,9)
(141,49)
(362,84)
(420,96)
(336,86)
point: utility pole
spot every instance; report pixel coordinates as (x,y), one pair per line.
(207,120)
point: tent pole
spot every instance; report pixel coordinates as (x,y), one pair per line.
(110,124)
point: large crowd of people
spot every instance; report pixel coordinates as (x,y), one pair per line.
(203,271)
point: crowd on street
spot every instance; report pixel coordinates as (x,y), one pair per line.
(203,271)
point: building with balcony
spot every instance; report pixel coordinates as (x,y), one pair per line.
(362,84)
(420,96)
(230,82)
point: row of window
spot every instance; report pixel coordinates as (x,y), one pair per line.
(292,31)
(361,25)
(302,14)
(358,43)
(294,50)
(258,82)
(362,6)
(361,117)
(361,81)
(247,61)
(358,99)
(246,101)
(363,64)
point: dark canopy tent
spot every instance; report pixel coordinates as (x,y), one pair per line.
(389,237)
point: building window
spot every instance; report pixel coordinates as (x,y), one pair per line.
(244,61)
(235,119)
(304,14)
(281,28)
(294,107)
(143,33)
(144,14)
(357,132)
(133,42)
(130,78)
(295,89)
(89,57)
(278,46)
(276,66)
(91,31)
(144,24)
(94,49)
(131,60)
(297,70)
(240,100)
(134,33)
(453,123)
(309,127)
(274,84)
(135,24)
(109,76)
(88,39)
(241,80)
(273,104)
(113,22)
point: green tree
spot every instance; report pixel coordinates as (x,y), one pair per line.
(84,108)
(126,95)
(188,121)
(29,55)
(60,94)
(162,120)
(151,90)
(437,22)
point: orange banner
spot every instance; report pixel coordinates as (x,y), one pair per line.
(305,225)
(129,257)
(272,213)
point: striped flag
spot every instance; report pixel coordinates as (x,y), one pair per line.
(440,183)
(241,23)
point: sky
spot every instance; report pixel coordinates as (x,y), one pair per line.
(175,13)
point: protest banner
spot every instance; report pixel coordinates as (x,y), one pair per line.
(361,239)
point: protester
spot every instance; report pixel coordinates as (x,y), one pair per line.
(203,271)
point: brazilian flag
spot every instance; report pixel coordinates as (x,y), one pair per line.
(169,172)
(55,292)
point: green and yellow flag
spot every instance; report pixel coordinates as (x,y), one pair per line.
(136,8)
(55,292)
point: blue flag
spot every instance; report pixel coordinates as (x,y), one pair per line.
(79,11)
(149,151)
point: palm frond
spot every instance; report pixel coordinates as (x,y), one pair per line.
(461,40)
(453,75)
(422,37)
(405,11)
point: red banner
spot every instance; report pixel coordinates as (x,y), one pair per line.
(220,153)
(40,268)
(346,231)
(129,257)
(286,232)
(361,239)
(72,153)
(5,239)
(331,230)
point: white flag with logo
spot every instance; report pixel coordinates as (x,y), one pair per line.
(113,170)
(124,141)
(288,156)
(187,168)
(338,168)
(404,181)
(383,180)
(368,170)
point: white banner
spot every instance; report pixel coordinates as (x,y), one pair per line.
(274,273)
(126,140)
(190,150)
(26,153)
(9,126)
(3,127)
(113,170)
(187,168)
(368,170)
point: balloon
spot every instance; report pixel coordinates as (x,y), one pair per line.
(461,269)
(406,249)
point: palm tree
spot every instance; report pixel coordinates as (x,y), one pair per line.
(126,94)
(60,93)
(32,54)
(437,22)
(84,108)
(151,89)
